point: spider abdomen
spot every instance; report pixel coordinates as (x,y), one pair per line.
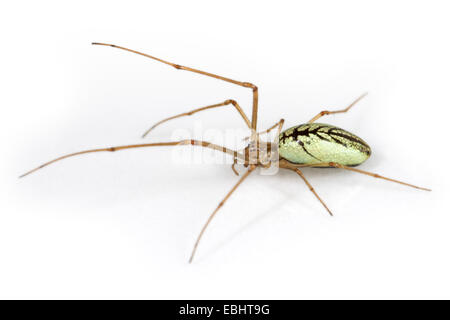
(312,143)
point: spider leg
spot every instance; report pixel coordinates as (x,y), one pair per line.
(375,175)
(179,67)
(289,165)
(225,103)
(322,113)
(203,144)
(233,167)
(312,190)
(279,124)
(250,169)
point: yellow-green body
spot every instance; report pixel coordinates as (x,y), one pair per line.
(313,143)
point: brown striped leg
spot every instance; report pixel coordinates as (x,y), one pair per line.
(288,165)
(250,169)
(225,103)
(203,144)
(274,156)
(312,190)
(375,175)
(323,113)
(279,124)
(179,67)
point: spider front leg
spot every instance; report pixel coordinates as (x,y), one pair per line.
(208,74)
(323,113)
(189,113)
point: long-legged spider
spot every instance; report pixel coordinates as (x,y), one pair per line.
(307,145)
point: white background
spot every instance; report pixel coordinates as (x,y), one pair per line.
(122,225)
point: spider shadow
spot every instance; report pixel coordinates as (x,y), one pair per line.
(272,209)
(216,248)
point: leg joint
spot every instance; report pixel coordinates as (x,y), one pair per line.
(231,101)
(250,85)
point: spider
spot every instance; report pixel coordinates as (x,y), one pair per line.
(307,145)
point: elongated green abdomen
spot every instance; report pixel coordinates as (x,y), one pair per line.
(312,143)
